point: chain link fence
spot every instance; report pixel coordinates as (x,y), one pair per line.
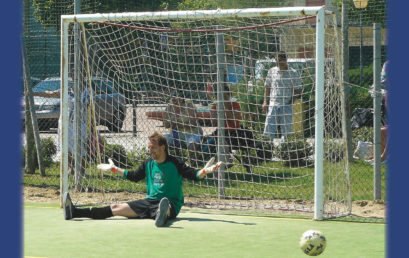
(41,37)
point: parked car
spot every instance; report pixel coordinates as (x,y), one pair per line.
(109,104)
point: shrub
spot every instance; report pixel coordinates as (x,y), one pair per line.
(360,97)
(294,152)
(48,149)
(251,103)
(263,151)
(115,152)
(134,158)
(363,134)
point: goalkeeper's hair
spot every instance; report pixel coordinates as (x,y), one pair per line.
(160,139)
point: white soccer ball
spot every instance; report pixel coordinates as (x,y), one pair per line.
(313,242)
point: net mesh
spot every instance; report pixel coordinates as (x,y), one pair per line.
(201,82)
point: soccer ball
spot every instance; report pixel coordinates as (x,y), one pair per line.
(313,242)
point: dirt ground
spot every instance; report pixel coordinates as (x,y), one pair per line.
(365,209)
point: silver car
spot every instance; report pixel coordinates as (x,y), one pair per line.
(109,104)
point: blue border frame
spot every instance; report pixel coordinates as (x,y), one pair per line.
(11,79)
(398,172)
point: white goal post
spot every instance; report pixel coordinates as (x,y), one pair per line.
(162,49)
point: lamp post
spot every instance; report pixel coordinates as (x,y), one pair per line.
(360,4)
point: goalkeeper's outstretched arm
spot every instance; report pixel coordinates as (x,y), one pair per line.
(194,174)
(209,168)
(135,176)
(111,167)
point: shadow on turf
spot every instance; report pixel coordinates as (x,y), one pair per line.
(169,223)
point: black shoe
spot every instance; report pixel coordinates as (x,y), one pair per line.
(162,214)
(67,206)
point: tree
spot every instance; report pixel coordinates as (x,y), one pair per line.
(48,12)
(225,4)
(198,5)
(375,12)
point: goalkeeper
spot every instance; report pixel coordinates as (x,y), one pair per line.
(164,197)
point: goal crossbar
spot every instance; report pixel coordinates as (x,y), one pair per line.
(199,14)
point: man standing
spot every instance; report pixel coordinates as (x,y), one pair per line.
(282,86)
(164,196)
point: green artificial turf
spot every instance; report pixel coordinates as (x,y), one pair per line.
(192,234)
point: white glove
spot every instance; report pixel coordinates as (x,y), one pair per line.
(210,162)
(209,168)
(111,166)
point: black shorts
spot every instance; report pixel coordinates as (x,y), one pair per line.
(146,208)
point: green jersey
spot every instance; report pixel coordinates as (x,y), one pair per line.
(164,179)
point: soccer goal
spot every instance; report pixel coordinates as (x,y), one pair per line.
(132,71)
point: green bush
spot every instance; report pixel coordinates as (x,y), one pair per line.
(363,134)
(117,153)
(251,106)
(134,158)
(48,149)
(294,152)
(360,97)
(263,152)
(367,76)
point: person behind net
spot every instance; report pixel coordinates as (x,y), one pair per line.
(163,174)
(384,113)
(282,85)
(181,117)
(384,128)
(235,135)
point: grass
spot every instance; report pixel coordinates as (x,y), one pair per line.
(272,181)
(362,178)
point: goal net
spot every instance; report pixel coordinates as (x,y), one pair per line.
(200,78)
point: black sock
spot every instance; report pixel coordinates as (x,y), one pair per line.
(93,212)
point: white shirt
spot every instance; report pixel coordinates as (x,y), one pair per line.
(282,85)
